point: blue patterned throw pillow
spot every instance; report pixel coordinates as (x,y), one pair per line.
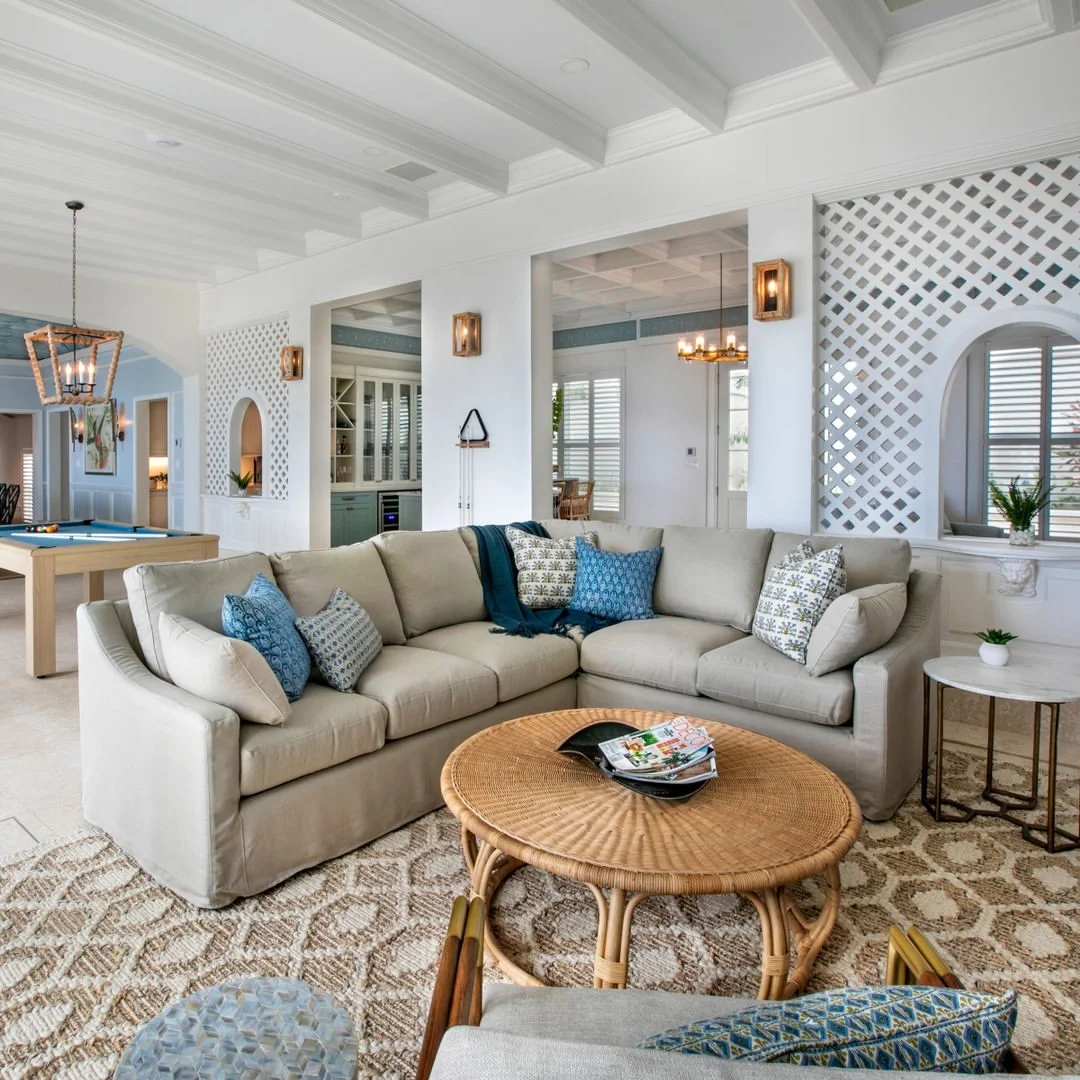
(614,584)
(342,640)
(265,618)
(914,1028)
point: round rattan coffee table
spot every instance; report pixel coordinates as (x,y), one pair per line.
(772,818)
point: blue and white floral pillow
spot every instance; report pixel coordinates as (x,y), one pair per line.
(911,1028)
(614,584)
(796,592)
(264,617)
(342,639)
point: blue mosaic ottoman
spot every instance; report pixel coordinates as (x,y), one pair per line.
(246,1027)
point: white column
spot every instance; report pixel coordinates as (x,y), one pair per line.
(543,367)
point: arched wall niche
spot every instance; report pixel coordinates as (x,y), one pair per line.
(248,431)
(951,350)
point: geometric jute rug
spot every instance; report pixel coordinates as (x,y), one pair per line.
(91,947)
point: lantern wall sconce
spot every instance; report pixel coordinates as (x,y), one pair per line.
(467,334)
(292,363)
(772,290)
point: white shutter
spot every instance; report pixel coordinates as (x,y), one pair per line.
(1065,442)
(1013,418)
(28,485)
(589,443)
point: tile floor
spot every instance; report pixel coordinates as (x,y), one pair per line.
(39,725)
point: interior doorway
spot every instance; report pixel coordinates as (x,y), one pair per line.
(20,457)
(150,469)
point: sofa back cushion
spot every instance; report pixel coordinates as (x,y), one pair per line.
(868,560)
(434,579)
(612,536)
(712,574)
(308,578)
(192,589)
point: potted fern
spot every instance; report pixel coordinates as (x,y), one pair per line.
(1020,505)
(994,650)
(241,480)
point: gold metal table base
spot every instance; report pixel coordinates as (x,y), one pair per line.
(1049,836)
(783,924)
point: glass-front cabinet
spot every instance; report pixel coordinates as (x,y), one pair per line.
(374,429)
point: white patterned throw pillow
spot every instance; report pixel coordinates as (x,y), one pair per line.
(796,592)
(342,640)
(546,567)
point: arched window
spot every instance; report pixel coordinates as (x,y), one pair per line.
(246,443)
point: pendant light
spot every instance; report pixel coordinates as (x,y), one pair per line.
(730,352)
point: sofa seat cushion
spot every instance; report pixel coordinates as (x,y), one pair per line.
(325,729)
(661,652)
(754,675)
(423,689)
(520,664)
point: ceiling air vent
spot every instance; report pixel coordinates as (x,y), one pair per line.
(411,170)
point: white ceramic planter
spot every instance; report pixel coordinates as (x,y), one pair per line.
(994,655)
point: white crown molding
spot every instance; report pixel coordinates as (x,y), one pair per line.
(680,77)
(407,36)
(1003,25)
(852,38)
(460,196)
(87,91)
(652,133)
(1060,15)
(382,220)
(790,91)
(209,56)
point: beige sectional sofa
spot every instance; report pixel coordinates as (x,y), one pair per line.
(217,809)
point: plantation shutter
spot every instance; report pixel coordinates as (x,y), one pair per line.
(588,445)
(1014,419)
(1064,470)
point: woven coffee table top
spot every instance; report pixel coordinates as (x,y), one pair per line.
(772,817)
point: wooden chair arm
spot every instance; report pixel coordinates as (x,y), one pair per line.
(457,998)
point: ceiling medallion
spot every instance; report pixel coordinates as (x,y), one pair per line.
(732,352)
(75,384)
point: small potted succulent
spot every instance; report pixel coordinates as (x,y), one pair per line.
(241,480)
(994,650)
(1020,505)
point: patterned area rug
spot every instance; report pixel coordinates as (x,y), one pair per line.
(90,947)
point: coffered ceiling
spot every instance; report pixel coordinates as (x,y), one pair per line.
(396,314)
(214,138)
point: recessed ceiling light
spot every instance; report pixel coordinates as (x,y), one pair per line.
(163,142)
(340,194)
(575,65)
(373,151)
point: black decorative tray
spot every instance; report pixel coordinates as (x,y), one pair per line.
(585,744)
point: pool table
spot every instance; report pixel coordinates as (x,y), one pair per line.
(88,548)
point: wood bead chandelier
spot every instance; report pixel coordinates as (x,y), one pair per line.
(74,381)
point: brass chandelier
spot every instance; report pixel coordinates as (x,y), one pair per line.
(74,382)
(732,351)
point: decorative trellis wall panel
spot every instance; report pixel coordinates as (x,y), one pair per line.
(240,363)
(894,271)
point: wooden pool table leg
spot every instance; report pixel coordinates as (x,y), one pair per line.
(41,619)
(93,585)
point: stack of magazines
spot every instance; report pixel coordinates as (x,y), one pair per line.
(675,752)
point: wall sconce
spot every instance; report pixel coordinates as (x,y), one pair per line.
(772,290)
(76,426)
(467,334)
(121,421)
(292,363)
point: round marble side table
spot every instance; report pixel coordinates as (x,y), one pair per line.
(1041,685)
(246,1027)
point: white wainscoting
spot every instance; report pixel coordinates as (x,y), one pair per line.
(251,524)
(975,595)
(101,503)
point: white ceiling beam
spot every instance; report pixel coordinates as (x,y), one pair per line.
(850,33)
(256,234)
(87,91)
(25,253)
(207,55)
(1059,15)
(407,36)
(170,174)
(680,77)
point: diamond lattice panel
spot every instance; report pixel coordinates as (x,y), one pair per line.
(240,363)
(894,271)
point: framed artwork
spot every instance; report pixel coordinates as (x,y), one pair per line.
(99,455)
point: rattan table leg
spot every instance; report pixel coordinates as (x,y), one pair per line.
(614,917)
(775,945)
(811,935)
(490,869)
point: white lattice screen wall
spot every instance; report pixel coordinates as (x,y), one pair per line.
(894,271)
(240,363)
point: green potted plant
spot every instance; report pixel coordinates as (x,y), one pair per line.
(994,650)
(1020,505)
(241,480)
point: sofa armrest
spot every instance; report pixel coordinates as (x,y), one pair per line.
(161,767)
(888,702)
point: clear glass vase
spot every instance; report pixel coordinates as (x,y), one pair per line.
(1021,537)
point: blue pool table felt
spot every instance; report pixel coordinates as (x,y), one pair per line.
(84,532)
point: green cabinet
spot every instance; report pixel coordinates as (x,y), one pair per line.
(353,517)
(409,511)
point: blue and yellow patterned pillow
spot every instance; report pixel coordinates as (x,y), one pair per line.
(915,1028)
(614,584)
(342,640)
(265,618)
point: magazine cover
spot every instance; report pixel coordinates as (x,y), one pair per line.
(663,748)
